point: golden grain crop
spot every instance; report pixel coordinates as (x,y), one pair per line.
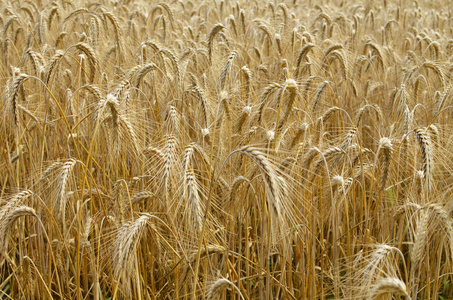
(226,149)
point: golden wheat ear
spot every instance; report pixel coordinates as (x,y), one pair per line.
(212,34)
(216,289)
(424,141)
(384,156)
(389,286)
(7,223)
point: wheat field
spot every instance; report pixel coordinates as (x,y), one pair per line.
(220,149)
